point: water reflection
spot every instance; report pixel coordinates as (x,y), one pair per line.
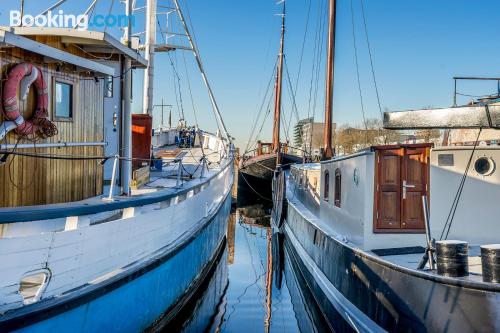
(254,287)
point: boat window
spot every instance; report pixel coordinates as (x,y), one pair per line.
(108,86)
(338,187)
(63,100)
(326,192)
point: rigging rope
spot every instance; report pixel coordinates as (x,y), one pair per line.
(261,109)
(315,70)
(110,10)
(371,58)
(357,72)
(303,45)
(456,200)
(292,98)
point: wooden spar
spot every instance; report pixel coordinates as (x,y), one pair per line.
(278,94)
(327,135)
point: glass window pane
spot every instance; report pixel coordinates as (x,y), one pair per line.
(108,87)
(64,100)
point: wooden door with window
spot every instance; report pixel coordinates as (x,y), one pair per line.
(401,179)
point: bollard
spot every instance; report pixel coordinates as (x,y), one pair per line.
(490,262)
(452,258)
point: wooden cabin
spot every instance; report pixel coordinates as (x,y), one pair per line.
(82,71)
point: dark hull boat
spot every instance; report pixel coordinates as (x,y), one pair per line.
(359,230)
(369,278)
(256,175)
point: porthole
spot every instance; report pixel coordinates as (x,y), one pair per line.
(484,166)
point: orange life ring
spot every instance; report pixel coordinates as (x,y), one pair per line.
(39,124)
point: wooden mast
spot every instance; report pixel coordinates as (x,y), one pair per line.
(278,94)
(327,138)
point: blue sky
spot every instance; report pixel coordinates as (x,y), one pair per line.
(417,47)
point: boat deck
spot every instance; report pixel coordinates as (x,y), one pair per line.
(412,260)
(191,167)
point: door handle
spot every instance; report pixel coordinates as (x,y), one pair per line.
(406,186)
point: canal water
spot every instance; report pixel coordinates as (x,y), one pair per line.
(254,286)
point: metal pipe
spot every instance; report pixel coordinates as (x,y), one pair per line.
(150,57)
(22,12)
(52,7)
(476,78)
(215,106)
(126,147)
(327,135)
(455,94)
(53,145)
(203,166)
(91,7)
(179,175)
(430,247)
(113,179)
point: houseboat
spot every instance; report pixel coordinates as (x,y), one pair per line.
(84,244)
(402,237)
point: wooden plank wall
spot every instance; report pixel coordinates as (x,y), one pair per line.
(28,181)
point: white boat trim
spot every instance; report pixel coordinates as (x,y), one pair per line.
(106,42)
(351,314)
(8,38)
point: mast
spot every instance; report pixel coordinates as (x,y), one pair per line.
(278,94)
(327,138)
(150,57)
(126,146)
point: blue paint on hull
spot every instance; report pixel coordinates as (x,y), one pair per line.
(134,306)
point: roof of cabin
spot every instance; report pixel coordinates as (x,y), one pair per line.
(89,41)
(9,39)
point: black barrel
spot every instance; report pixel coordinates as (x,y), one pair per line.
(452,258)
(490,261)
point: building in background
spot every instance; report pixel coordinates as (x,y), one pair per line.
(298,132)
(308,137)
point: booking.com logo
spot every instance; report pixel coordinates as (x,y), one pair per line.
(61,20)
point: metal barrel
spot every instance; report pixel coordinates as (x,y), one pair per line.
(490,262)
(452,258)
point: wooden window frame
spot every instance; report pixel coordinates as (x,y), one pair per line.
(326,189)
(337,195)
(55,81)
